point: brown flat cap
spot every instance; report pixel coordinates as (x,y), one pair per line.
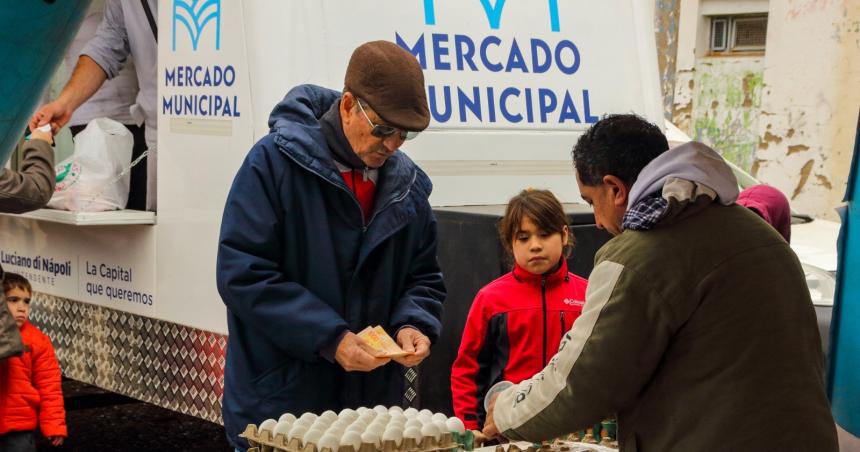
(390,80)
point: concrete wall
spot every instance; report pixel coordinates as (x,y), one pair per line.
(809,108)
(666,27)
(726,103)
(788,116)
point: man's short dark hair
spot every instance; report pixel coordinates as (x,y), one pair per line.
(620,145)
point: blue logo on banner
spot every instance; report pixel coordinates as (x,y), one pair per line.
(196,15)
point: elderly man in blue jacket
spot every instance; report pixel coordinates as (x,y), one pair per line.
(327,230)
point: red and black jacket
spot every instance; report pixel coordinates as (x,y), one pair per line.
(514,327)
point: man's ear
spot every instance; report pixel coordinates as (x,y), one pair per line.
(619,190)
(347,103)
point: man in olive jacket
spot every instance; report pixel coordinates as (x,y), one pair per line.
(21,191)
(697,332)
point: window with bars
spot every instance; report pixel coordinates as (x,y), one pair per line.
(738,34)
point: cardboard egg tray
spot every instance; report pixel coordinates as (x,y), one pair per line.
(264,442)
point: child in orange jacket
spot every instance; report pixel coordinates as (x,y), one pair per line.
(30,391)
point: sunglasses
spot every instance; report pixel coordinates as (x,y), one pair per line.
(383,130)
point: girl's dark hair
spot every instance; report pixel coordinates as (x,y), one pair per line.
(15,281)
(540,206)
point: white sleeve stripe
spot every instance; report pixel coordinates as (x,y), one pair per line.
(517,405)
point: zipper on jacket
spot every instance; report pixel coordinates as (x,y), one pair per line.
(563,330)
(543,301)
(395,200)
(345,188)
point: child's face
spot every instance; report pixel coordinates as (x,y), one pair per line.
(18,301)
(535,250)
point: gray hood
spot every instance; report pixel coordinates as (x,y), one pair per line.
(692,161)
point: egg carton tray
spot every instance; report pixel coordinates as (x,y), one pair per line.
(264,442)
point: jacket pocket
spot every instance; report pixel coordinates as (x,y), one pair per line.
(297,385)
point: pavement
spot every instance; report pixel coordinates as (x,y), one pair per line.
(100,420)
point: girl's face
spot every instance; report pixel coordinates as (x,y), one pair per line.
(535,250)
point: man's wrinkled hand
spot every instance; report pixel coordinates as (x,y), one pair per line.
(56,113)
(412,340)
(490,430)
(353,354)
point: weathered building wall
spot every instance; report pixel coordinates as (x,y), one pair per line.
(810,102)
(666,28)
(726,101)
(790,116)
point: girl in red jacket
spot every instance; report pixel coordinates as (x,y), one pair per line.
(517,321)
(30,390)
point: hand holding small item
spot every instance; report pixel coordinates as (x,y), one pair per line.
(416,344)
(490,430)
(42,133)
(354,354)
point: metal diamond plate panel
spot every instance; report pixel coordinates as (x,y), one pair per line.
(162,363)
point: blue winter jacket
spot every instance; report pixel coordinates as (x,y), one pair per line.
(297,267)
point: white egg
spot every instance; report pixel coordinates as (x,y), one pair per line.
(320,423)
(414,423)
(424,418)
(287,417)
(345,411)
(309,416)
(283,428)
(376,429)
(380,409)
(431,430)
(267,425)
(426,412)
(358,428)
(340,423)
(441,425)
(440,417)
(367,416)
(336,431)
(312,436)
(298,431)
(412,432)
(303,422)
(393,434)
(410,413)
(328,441)
(371,438)
(455,425)
(329,414)
(351,439)
(362,409)
(395,409)
(384,416)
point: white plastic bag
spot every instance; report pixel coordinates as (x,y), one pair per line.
(92,179)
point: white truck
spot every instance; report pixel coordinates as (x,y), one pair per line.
(129,297)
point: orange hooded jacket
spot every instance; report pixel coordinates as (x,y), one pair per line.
(30,390)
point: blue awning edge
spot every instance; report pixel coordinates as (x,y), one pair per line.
(843,376)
